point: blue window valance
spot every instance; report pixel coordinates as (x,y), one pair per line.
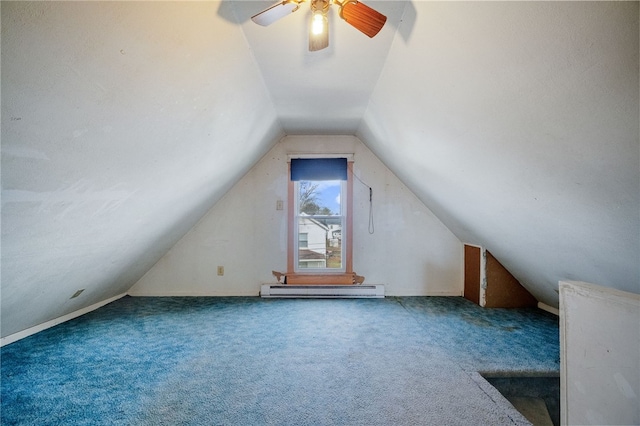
(318,169)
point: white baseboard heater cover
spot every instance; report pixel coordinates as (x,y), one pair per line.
(322,291)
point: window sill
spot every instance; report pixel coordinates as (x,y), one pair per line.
(321,279)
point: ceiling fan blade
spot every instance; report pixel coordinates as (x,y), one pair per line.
(275,12)
(362,17)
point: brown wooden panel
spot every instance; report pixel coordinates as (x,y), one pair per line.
(472,273)
(503,289)
(291,214)
(320,279)
(349,237)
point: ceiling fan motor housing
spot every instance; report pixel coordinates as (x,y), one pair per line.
(320,6)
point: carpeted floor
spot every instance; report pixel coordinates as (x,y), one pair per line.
(251,361)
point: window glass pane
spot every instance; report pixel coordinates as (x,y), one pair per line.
(303,240)
(322,246)
(319,197)
(319,225)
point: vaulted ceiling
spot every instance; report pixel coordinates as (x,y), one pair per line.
(516,123)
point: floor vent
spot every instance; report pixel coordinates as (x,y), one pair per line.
(322,291)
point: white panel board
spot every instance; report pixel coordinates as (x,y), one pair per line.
(600,355)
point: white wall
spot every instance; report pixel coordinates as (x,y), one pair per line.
(122,124)
(411,251)
(600,355)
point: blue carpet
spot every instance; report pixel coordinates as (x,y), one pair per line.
(251,361)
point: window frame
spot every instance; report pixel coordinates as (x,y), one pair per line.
(343,223)
(347,231)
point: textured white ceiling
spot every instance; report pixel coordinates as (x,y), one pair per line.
(515,122)
(323,92)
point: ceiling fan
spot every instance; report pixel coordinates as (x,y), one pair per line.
(357,14)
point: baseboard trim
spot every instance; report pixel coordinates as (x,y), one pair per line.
(390,293)
(548,308)
(336,291)
(38,328)
(192,294)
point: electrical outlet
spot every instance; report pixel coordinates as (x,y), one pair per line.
(220,270)
(279,205)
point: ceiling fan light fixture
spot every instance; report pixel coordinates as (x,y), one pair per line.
(318,22)
(358,15)
(318,32)
(319,26)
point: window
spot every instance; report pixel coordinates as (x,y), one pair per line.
(320,219)
(319,223)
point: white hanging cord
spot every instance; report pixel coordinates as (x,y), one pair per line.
(371,224)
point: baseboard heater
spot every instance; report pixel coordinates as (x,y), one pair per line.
(322,291)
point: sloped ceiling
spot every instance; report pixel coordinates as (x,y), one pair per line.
(123,122)
(517,124)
